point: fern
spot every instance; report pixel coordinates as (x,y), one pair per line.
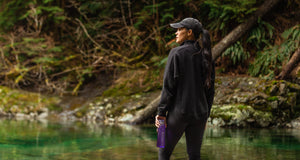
(272,57)
(11,13)
(223,14)
(236,53)
(18,10)
(148,10)
(261,34)
(292,42)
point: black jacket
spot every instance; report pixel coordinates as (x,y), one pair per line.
(183,84)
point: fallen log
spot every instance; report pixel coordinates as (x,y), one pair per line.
(293,62)
(142,115)
(217,50)
(235,34)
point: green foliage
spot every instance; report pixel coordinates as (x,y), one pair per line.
(156,16)
(16,101)
(222,14)
(52,12)
(261,35)
(273,98)
(36,12)
(265,62)
(272,57)
(148,10)
(10,13)
(165,11)
(242,107)
(292,37)
(158,61)
(29,56)
(236,53)
(64,43)
(101,8)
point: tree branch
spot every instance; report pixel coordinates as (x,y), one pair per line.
(235,34)
(293,62)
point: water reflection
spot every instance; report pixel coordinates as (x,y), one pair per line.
(75,140)
(252,144)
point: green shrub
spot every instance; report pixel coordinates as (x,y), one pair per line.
(36,13)
(236,53)
(271,58)
(261,34)
(222,14)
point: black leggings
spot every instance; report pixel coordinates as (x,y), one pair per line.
(194,130)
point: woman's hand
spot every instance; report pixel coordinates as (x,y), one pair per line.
(157,117)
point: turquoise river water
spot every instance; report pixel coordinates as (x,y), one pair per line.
(34,140)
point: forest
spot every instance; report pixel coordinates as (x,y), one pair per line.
(59,46)
(82,78)
(87,49)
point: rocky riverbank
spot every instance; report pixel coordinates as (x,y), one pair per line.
(252,102)
(21,105)
(239,102)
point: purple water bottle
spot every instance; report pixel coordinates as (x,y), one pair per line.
(161,134)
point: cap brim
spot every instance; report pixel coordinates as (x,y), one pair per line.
(176,25)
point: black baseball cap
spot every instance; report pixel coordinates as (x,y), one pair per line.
(189,23)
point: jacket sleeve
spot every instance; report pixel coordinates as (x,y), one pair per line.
(211,91)
(169,85)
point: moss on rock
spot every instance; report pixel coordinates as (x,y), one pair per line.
(15,101)
(273,98)
(242,116)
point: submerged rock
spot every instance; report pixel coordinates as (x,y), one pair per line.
(125,118)
(43,115)
(295,123)
(21,116)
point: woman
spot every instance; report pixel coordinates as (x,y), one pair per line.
(188,89)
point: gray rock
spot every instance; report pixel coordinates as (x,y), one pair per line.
(33,115)
(274,104)
(250,120)
(125,110)
(44,110)
(14,109)
(21,116)
(263,119)
(125,118)
(218,122)
(110,120)
(292,99)
(108,106)
(43,115)
(282,89)
(259,102)
(296,123)
(282,102)
(273,90)
(2,112)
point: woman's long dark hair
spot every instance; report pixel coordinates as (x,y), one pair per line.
(207,56)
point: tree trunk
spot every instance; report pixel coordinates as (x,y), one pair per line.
(293,62)
(217,50)
(142,115)
(235,34)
